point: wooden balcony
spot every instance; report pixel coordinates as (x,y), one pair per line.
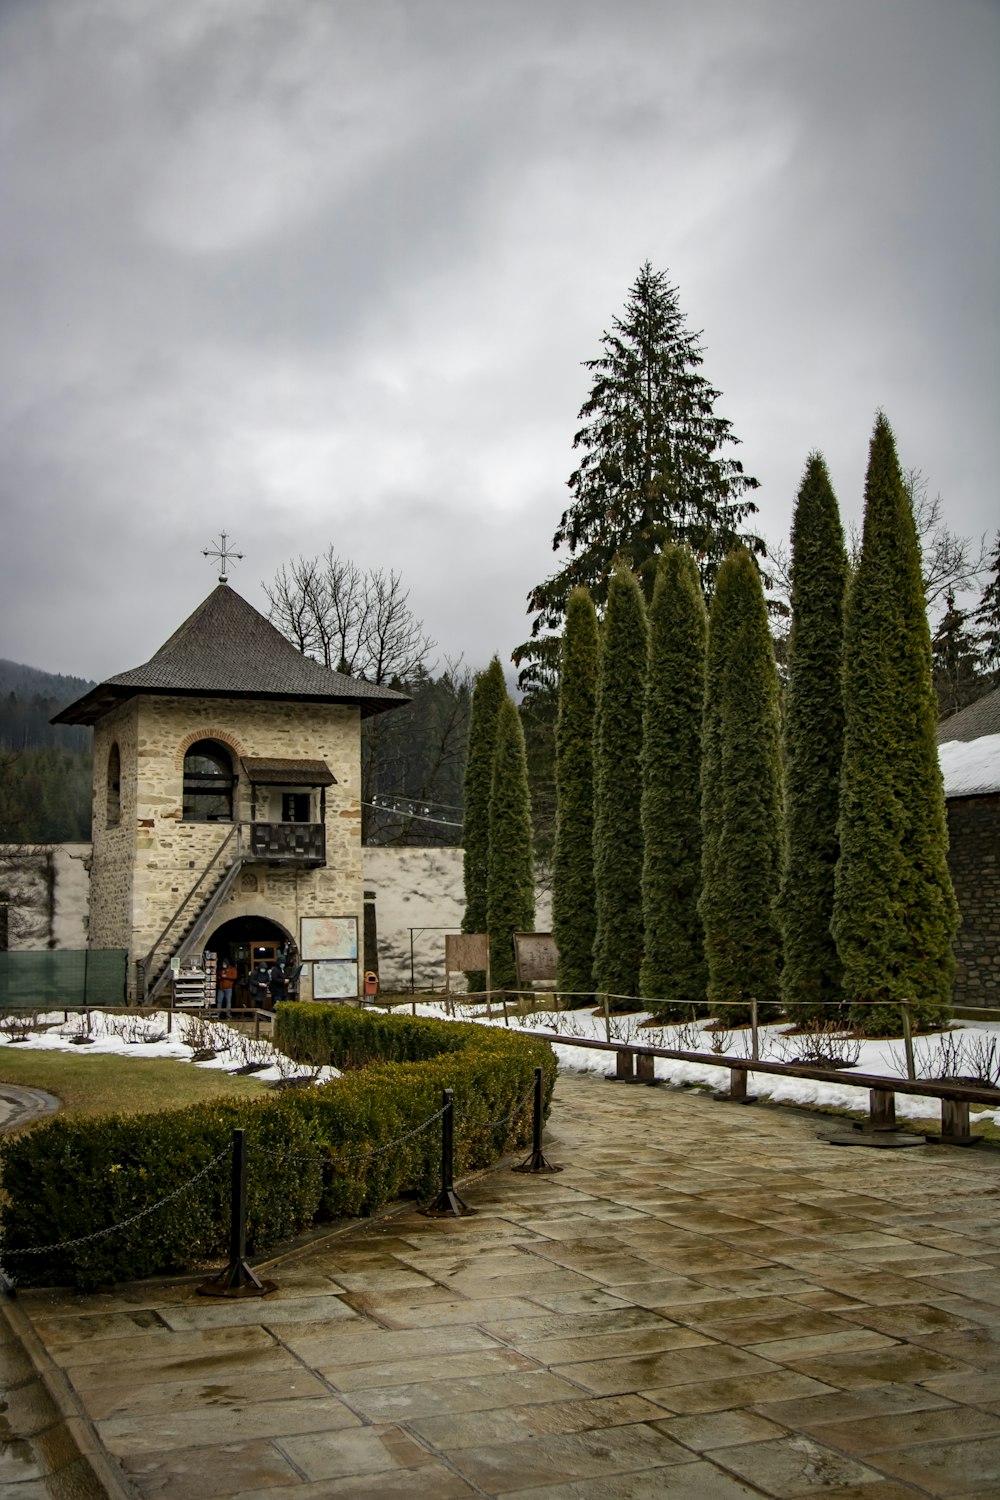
(288,843)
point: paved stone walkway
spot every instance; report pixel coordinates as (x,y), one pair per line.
(708,1303)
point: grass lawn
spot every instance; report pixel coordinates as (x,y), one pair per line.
(106,1083)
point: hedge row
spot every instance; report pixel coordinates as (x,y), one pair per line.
(316,1154)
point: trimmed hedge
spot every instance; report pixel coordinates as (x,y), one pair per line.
(315,1154)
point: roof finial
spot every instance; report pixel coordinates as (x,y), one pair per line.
(224,555)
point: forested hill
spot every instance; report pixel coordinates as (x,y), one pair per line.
(44,768)
(28,699)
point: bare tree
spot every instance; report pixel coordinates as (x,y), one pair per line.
(361,623)
(949,562)
(353,621)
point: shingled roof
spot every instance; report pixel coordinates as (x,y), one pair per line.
(971,723)
(226,649)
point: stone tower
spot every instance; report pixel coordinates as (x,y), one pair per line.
(227,785)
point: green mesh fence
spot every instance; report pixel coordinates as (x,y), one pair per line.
(62,976)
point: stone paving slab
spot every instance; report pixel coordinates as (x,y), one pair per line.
(708,1303)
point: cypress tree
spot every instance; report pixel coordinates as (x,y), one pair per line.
(741,798)
(673,965)
(489,692)
(894,909)
(618,788)
(510,901)
(573,919)
(811,979)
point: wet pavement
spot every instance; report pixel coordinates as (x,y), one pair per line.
(709,1302)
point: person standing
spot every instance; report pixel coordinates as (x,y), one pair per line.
(260,983)
(278,986)
(224,991)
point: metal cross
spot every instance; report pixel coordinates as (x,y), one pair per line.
(224,555)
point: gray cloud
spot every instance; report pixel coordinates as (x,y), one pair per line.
(328,273)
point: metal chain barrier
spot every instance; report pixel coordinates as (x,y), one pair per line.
(506,1119)
(284,1156)
(100,1234)
(388,1146)
(354,1155)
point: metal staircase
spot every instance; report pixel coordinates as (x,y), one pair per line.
(153,972)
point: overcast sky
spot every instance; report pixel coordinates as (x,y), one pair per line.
(326,272)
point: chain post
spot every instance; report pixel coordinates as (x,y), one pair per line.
(536,1161)
(237,1280)
(448,1203)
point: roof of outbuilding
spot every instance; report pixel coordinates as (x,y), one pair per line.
(267,771)
(980,718)
(226,649)
(971,768)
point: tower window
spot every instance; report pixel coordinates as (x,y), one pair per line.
(113,804)
(208,783)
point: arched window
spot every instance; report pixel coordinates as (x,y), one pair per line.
(208,783)
(113,803)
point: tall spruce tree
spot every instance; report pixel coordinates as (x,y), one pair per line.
(811,980)
(618,788)
(673,964)
(655,465)
(894,909)
(510,899)
(488,694)
(573,918)
(741,798)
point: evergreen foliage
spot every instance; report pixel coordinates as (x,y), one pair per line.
(573,919)
(894,909)
(510,898)
(487,695)
(538,709)
(673,965)
(655,463)
(811,980)
(618,847)
(741,798)
(955,660)
(988,620)
(45,796)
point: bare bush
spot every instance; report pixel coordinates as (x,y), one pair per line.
(688,1037)
(983,1054)
(253,1053)
(78,1030)
(18,1026)
(961,1055)
(720,1040)
(133,1029)
(824,1046)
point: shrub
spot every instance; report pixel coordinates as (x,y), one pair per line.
(314,1154)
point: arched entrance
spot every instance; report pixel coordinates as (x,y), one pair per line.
(242,940)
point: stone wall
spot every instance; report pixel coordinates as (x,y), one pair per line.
(144,866)
(46,890)
(974,861)
(114,842)
(421,889)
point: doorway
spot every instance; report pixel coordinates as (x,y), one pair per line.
(244,941)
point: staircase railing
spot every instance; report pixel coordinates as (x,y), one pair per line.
(143,964)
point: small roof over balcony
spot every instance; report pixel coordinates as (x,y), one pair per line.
(264,772)
(227,649)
